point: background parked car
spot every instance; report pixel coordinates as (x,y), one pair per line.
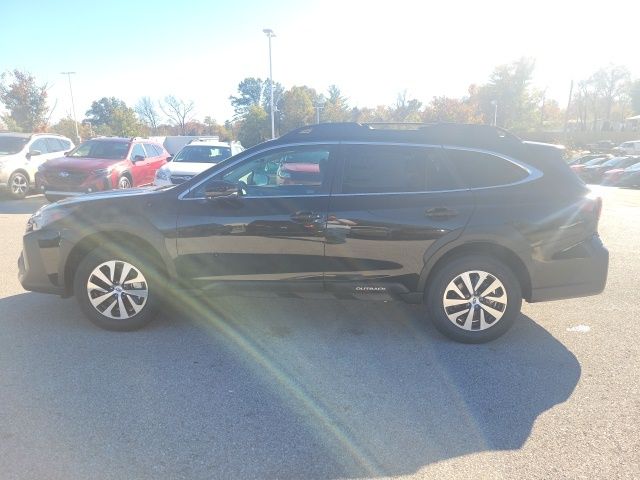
(612,177)
(594,173)
(629,148)
(102,164)
(22,153)
(577,168)
(194,158)
(582,159)
(630,178)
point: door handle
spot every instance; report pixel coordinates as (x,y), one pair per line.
(440,213)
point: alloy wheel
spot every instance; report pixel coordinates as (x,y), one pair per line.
(117,289)
(475,300)
(124,182)
(19,185)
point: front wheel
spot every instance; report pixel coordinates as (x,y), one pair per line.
(18,185)
(474,299)
(124,182)
(116,292)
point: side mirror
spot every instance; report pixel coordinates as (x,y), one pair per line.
(169,158)
(138,158)
(33,153)
(221,189)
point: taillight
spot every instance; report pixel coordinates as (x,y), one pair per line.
(593,205)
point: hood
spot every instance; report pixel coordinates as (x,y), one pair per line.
(117,193)
(79,163)
(614,171)
(187,168)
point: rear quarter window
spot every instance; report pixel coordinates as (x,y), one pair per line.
(480,170)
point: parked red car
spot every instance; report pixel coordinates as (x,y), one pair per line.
(101,164)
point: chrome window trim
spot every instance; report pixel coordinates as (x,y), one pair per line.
(533,173)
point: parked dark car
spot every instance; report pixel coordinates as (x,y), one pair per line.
(614,176)
(468,219)
(630,178)
(594,173)
(101,164)
(583,159)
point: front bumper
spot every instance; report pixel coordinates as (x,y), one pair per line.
(582,273)
(39,261)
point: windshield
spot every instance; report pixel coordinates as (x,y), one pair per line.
(11,145)
(101,149)
(202,154)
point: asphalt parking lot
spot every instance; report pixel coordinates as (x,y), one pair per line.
(263,387)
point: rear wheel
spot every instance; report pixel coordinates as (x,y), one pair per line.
(116,292)
(474,299)
(18,185)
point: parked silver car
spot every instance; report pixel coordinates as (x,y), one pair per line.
(22,153)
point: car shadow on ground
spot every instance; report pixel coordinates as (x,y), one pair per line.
(25,206)
(269,387)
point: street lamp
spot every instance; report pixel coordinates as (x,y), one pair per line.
(73,108)
(269,33)
(495,112)
(319,106)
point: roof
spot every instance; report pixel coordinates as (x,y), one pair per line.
(29,135)
(463,135)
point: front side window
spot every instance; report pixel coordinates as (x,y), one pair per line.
(480,170)
(202,154)
(12,145)
(395,169)
(101,149)
(137,150)
(284,172)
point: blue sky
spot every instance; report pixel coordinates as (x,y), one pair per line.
(199,50)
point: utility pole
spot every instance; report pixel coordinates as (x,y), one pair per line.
(566,113)
(269,33)
(73,107)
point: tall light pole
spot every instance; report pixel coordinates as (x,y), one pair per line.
(269,33)
(495,112)
(73,107)
(318,106)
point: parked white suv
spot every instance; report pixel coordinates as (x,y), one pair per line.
(194,158)
(630,148)
(22,153)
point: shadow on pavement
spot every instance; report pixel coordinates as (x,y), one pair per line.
(25,206)
(267,388)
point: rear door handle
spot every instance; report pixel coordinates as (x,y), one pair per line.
(440,213)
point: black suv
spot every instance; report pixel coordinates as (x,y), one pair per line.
(468,219)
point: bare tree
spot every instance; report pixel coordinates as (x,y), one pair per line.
(178,111)
(147,112)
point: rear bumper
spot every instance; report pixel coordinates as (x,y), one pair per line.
(38,263)
(571,277)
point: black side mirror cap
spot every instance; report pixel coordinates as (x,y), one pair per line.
(138,158)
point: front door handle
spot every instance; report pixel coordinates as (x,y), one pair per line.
(440,213)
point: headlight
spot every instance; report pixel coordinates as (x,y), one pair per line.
(45,216)
(102,171)
(163,174)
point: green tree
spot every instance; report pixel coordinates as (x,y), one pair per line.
(406,110)
(634,93)
(509,87)
(255,91)
(457,110)
(255,127)
(25,101)
(102,111)
(297,108)
(336,108)
(67,127)
(610,83)
(125,122)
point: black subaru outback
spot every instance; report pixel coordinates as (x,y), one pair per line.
(468,219)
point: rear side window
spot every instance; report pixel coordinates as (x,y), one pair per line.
(54,145)
(479,170)
(395,169)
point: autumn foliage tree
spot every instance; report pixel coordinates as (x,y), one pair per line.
(25,101)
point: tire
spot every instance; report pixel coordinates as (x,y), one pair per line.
(124,182)
(18,185)
(94,279)
(470,318)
